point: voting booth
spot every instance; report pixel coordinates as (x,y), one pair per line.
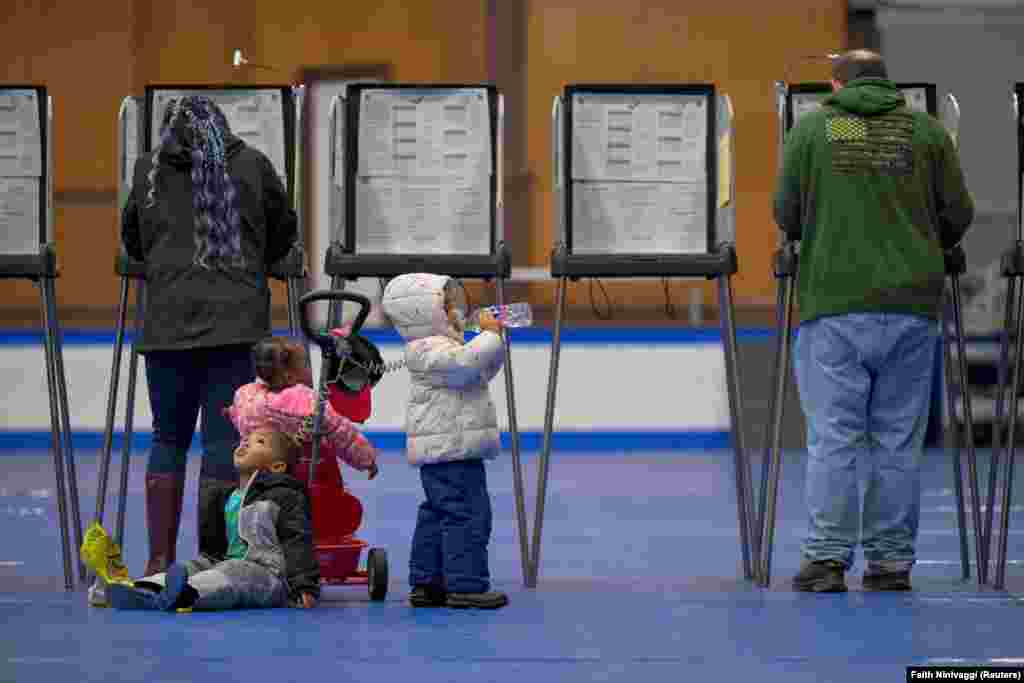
(644,185)
(28,251)
(1012,269)
(416,186)
(793,101)
(266,118)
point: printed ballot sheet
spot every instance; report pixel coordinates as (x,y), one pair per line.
(648,218)
(397,215)
(639,173)
(424,171)
(411,132)
(19,216)
(640,138)
(255,116)
(21,150)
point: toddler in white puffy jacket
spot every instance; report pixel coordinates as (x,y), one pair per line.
(451,429)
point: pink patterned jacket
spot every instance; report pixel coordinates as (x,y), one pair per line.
(291,411)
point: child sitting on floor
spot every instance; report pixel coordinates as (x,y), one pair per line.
(256,549)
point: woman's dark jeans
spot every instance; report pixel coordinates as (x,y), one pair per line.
(185,384)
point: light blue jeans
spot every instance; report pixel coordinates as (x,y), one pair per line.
(865,383)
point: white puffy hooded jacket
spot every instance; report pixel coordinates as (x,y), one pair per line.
(450,415)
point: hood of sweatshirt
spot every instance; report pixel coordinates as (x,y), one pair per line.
(867,97)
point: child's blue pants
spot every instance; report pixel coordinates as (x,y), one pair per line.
(453,528)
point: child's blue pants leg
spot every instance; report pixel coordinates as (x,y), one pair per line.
(426,567)
(457,491)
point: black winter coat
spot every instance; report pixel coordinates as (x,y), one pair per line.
(274,520)
(188,306)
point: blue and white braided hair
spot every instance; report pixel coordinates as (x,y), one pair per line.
(200,128)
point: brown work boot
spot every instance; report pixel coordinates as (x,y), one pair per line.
(827,576)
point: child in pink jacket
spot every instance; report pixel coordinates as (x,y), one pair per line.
(283,398)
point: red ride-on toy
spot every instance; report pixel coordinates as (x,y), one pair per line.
(351,366)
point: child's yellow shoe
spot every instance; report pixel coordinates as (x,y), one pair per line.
(103,556)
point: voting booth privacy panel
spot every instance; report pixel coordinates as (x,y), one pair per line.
(24,170)
(793,102)
(27,252)
(644,183)
(265,118)
(417,187)
(641,171)
(417,169)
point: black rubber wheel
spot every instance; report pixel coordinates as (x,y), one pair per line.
(377,573)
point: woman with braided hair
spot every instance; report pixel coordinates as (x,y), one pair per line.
(208,216)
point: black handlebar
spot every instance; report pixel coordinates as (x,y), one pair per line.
(323,340)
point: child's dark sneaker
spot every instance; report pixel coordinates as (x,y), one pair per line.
(427,596)
(887,581)
(177,594)
(488,600)
(174,584)
(127,597)
(825,576)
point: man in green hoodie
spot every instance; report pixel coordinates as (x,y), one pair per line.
(875,193)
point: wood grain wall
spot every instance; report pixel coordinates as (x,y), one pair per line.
(91,55)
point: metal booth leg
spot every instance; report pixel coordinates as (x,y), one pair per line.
(1002,380)
(334,308)
(972,456)
(65,416)
(999,577)
(129,410)
(115,377)
(549,422)
(953,440)
(56,436)
(294,293)
(513,426)
(762,498)
(293,318)
(742,465)
(772,464)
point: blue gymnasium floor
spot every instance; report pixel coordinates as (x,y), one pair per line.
(639,582)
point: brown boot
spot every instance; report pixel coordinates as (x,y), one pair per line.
(164,494)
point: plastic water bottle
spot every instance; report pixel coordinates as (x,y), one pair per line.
(509,315)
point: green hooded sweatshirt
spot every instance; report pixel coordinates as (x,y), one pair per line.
(875,192)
